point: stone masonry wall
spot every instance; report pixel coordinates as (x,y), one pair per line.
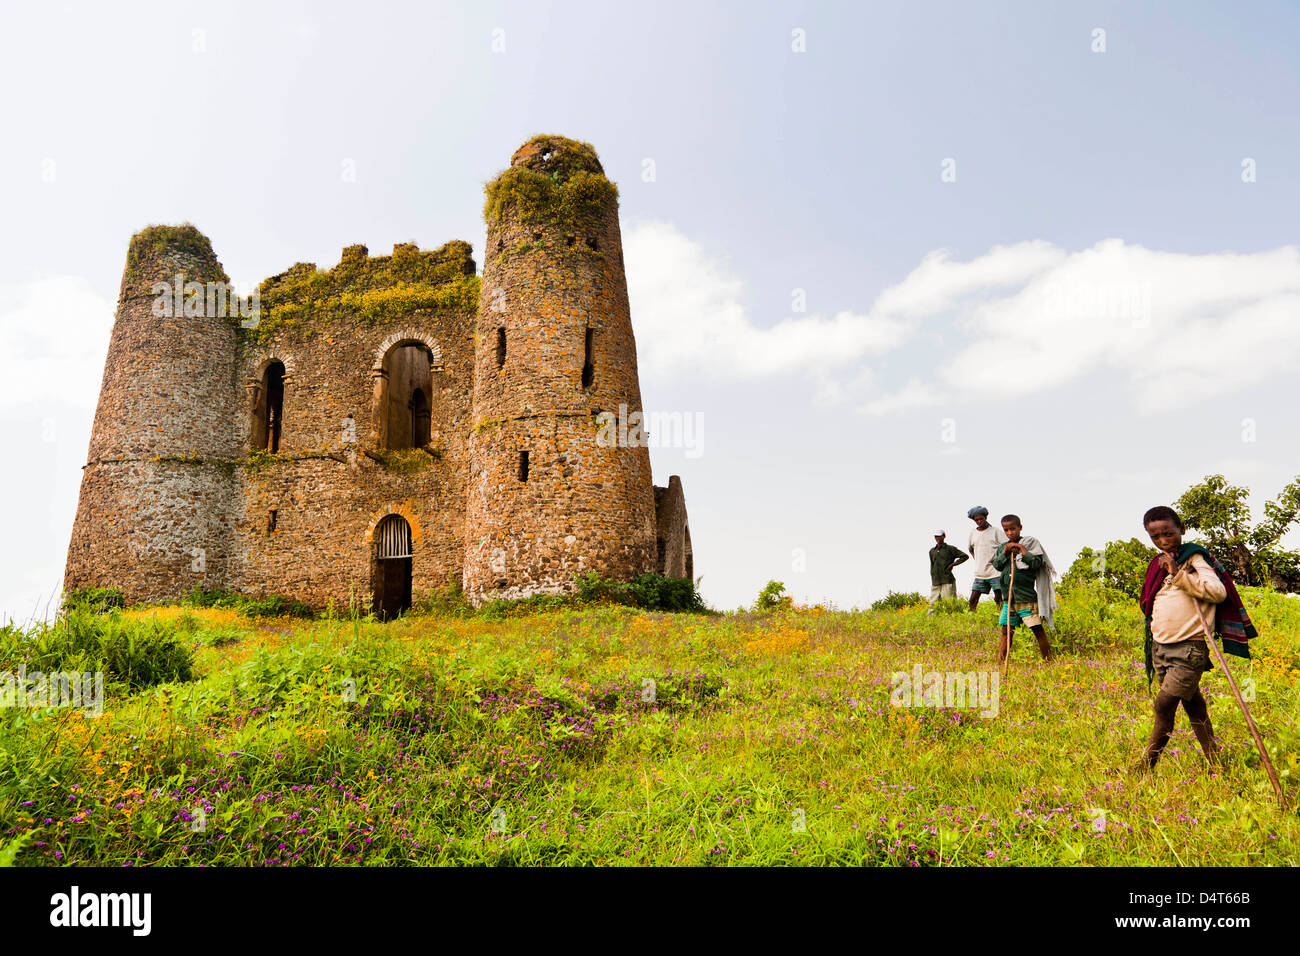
(165,403)
(582,507)
(174,496)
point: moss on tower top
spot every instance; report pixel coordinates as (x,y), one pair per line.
(551,181)
(369,289)
(157,252)
(557,154)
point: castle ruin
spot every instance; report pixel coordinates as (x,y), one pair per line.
(386,427)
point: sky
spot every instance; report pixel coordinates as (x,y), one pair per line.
(890,260)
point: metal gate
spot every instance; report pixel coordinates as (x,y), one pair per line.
(393,538)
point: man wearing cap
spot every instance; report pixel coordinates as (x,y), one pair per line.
(943,558)
(984,541)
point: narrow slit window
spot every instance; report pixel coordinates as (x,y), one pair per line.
(501,347)
(270,520)
(589,358)
(523,466)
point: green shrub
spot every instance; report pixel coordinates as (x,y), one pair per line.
(1120,566)
(950,606)
(276,605)
(449,601)
(894,600)
(271,605)
(135,653)
(773,597)
(210,597)
(1092,615)
(651,592)
(94,600)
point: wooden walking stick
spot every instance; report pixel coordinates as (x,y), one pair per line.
(1011,589)
(1241,702)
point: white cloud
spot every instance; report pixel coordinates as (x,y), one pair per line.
(1170,323)
(53,338)
(915,394)
(1016,320)
(689,316)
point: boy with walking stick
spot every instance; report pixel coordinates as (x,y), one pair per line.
(1026,570)
(1187,597)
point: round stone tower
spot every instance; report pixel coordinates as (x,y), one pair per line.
(155,493)
(559,479)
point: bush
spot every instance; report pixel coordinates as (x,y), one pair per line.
(94,600)
(276,605)
(214,597)
(1091,615)
(449,601)
(896,600)
(955,605)
(272,605)
(136,653)
(773,597)
(651,592)
(1119,566)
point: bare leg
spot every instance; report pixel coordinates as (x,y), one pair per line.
(1044,647)
(1004,643)
(1199,712)
(974,599)
(1166,708)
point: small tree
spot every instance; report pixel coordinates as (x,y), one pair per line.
(773,597)
(1221,515)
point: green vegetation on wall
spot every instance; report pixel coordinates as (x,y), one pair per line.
(554,182)
(370,289)
(150,244)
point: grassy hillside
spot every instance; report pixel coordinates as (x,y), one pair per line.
(536,739)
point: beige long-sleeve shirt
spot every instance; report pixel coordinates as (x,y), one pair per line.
(1173,618)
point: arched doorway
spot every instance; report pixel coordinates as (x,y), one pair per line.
(390,575)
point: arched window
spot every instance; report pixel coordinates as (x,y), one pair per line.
(390,576)
(410,390)
(268,409)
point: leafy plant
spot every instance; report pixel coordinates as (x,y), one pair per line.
(773,597)
(94,600)
(896,600)
(137,653)
(1120,566)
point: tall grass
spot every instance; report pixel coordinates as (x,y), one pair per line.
(608,735)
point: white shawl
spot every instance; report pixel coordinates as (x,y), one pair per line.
(1043,581)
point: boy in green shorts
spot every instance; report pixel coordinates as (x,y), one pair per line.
(1022,604)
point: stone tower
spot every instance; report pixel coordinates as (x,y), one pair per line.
(153,513)
(555,376)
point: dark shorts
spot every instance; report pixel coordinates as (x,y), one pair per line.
(985,585)
(1179,667)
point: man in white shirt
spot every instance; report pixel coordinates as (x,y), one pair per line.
(984,541)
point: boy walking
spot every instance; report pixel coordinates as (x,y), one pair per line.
(943,558)
(1034,573)
(984,541)
(1181,581)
